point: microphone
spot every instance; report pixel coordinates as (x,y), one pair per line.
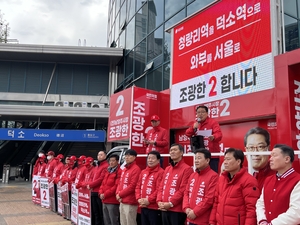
(198,119)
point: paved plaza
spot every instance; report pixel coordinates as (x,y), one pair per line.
(16,207)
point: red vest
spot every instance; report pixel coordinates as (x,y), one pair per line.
(277,191)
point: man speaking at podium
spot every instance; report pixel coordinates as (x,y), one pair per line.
(205,132)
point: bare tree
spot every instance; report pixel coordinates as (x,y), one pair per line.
(4,29)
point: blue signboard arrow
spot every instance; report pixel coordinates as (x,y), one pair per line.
(52,135)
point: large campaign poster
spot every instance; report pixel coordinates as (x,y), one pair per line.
(36,194)
(120,116)
(84,206)
(74,204)
(219,61)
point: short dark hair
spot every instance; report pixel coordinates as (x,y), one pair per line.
(258,130)
(205,152)
(155,153)
(102,150)
(203,107)
(179,146)
(286,150)
(237,154)
(117,157)
(131,152)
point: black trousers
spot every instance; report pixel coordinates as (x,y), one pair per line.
(173,218)
(214,164)
(97,212)
(151,216)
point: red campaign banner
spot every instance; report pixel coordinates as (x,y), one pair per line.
(145,104)
(36,194)
(229,110)
(217,55)
(119,116)
(219,36)
(84,206)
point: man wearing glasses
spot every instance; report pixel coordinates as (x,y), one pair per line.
(257,139)
(211,142)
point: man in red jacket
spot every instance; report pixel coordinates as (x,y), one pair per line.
(172,187)
(211,142)
(125,192)
(107,192)
(50,165)
(157,138)
(236,193)
(81,171)
(146,190)
(279,202)
(94,185)
(199,193)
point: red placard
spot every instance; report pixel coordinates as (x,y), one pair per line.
(145,104)
(84,206)
(36,194)
(217,55)
(119,116)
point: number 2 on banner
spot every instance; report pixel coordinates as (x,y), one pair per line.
(44,194)
(213,81)
(120,101)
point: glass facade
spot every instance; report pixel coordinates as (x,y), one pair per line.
(291,24)
(139,27)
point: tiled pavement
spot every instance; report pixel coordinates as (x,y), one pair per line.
(16,207)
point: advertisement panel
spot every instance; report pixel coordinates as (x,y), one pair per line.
(84,206)
(217,55)
(74,204)
(44,187)
(119,116)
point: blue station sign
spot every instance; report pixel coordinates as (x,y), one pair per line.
(52,135)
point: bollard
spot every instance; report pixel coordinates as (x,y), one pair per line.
(3,173)
(7,174)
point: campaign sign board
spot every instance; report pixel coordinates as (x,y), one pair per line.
(59,200)
(44,187)
(52,196)
(130,115)
(36,194)
(220,55)
(223,58)
(119,116)
(65,201)
(74,204)
(84,206)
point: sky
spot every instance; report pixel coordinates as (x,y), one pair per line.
(57,22)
